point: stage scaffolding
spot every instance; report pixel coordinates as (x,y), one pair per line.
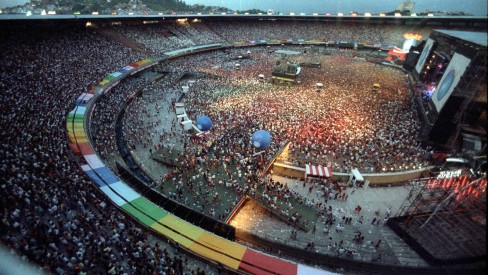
(445,219)
(472,88)
(465,110)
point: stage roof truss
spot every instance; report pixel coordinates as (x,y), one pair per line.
(447,216)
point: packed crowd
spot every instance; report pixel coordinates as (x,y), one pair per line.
(104,118)
(163,38)
(200,182)
(343,125)
(255,30)
(50,212)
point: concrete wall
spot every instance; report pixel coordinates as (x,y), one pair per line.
(373,178)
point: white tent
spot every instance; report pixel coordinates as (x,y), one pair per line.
(187,124)
(355,173)
(182,117)
(180,108)
(355,178)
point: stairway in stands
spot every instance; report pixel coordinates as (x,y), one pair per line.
(124,40)
(210,31)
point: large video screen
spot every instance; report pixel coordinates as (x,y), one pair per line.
(424,55)
(450,80)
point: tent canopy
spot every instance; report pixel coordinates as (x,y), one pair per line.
(318,171)
(357,175)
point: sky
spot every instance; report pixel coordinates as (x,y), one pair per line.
(11,3)
(475,7)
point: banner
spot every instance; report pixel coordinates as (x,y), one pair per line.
(450,80)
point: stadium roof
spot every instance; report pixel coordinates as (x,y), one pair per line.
(479,38)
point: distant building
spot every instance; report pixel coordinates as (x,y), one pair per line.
(405,6)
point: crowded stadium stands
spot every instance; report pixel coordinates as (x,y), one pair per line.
(55,213)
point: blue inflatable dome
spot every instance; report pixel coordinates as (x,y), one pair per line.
(204,123)
(261,139)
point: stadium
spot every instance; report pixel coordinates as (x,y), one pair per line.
(243,144)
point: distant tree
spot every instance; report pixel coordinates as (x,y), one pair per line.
(78,7)
(162,5)
(95,7)
(254,11)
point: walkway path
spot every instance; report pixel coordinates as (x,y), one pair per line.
(393,250)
